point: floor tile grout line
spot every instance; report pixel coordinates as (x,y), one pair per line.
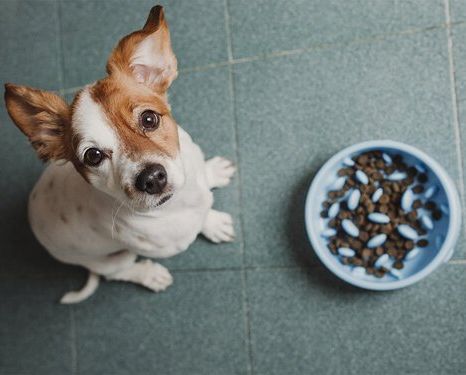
(455,106)
(298,51)
(61,68)
(74,346)
(201,270)
(244,281)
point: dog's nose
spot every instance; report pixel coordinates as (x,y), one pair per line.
(152,179)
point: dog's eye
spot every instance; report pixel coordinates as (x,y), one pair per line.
(93,156)
(149,120)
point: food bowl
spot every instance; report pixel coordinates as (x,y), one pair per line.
(442,238)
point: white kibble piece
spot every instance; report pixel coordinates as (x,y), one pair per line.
(330,232)
(377,194)
(382,261)
(397,176)
(353,200)
(339,183)
(407,200)
(378,218)
(346,252)
(412,254)
(377,240)
(427,222)
(362,177)
(395,273)
(333,210)
(420,168)
(387,158)
(444,209)
(348,162)
(407,232)
(430,191)
(358,271)
(350,228)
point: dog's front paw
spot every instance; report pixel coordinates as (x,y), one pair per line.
(218,227)
(219,171)
(155,276)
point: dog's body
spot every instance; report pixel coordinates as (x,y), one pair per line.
(125,180)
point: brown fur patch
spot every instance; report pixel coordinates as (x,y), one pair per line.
(42,116)
(122,100)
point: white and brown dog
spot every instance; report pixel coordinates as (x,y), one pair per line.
(124,179)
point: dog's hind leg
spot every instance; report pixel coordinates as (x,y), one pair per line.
(153,276)
(219,172)
(104,266)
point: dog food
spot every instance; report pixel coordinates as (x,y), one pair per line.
(378,213)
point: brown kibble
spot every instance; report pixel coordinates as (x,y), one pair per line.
(324,214)
(363,236)
(366,253)
(412,171)
(333,223)
(422,178)
(392,252)
(412,216)
(383,208)
(409,245)
(345,172)
(431,205)
(326,204)
(417,204)
(379,251)
(358,261)
(422,243)
(384,199)
(398,265)
(437,215)
(418,189)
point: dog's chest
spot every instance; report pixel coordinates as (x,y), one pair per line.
(169,232)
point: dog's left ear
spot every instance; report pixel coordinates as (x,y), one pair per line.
(146,55)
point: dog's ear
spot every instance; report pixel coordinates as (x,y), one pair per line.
(146,55)
(42,116)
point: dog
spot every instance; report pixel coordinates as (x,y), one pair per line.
(124,181)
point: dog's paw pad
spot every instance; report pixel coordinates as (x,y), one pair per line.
(219,227)
(219,171)
(156,277)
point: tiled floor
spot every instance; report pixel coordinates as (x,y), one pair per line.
(278,86)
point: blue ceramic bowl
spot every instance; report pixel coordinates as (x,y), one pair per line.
(442,238)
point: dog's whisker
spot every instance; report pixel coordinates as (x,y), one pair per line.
(115,216)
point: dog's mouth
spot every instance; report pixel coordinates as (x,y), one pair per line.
(164,200)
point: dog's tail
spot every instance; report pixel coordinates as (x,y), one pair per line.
(77,296)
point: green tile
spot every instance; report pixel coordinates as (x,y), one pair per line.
(91,28)
(308,323)
(262,26)
(35,333)
(457,10)
(459,58)
(30,52)
(195,327)
(201,104)
(295,112)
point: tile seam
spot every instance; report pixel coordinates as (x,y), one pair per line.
(244,292)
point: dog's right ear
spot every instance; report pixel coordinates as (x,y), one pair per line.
(42,116)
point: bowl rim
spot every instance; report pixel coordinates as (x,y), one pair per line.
(454,226)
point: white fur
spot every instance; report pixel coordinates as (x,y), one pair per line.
(91,226)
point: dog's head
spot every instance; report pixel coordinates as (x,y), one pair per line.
(118,132)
